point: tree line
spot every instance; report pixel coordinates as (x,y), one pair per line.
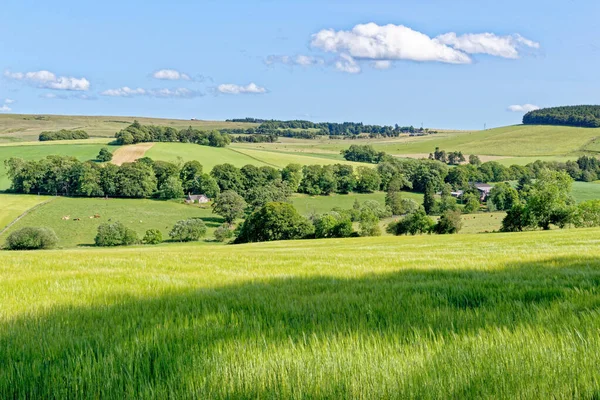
(63,134)
(587,116)
(138,133)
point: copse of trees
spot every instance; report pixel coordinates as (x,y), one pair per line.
(363,153)
(31,238)
(138,133)
(274,221)
(587,116)
(63,134)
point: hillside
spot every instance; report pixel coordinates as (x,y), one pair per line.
(467,316)
(20,127)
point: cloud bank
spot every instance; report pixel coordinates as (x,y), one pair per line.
(49,80)
(126,91)
(230,88)
(523,107)
(171,75)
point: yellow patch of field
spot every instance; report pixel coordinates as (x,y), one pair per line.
(130,153)
(12,206)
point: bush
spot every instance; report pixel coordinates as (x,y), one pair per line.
(115,234)
(274,221)
(369,223)
(449,222)
(152,236)
(333,224)
(414,223)
(223,232)
(63,134)
(188,230)
(104,155)
(31,238)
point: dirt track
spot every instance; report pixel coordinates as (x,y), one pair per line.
(130,153)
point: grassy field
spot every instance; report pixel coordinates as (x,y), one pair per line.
(308,205)
(139,215)
(583,191)
(467,316)
(35,152)
(20,127)
(12,206)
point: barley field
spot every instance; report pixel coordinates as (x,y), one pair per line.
(467,316)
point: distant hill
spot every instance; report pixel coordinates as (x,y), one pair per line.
(581,116)
(22,127)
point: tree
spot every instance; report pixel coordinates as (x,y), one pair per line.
(429,198)
(474,160)
(31,238)
(135,180)
(188,230)
(416,222)
(376,208)
(472,204)
(550,201)
(115,234)
(274,221)
(362,153)
(503,196)
(292,174)
(206,185)
(369,223)
(517,219)
(152,236)
(104,155)
(277,191)
(346,181)
(332,224)
(229,205)
(449,222)
(228,177)
(189,174)
(368,180)
(393,200)
(587,214)
(171,189)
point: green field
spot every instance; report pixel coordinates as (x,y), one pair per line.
(35,152)
(467,316)
(308,205)
(12,206)
(139,215)
(21,127)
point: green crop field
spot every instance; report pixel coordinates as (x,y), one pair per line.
(308,205)
(139,215)
(12,206)
(467,316)
(583,191)
(35,152)
(20,127)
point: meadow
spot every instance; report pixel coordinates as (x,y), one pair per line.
(137,214)
(13,206)
(467,316)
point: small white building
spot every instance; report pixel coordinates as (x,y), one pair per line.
(196,198)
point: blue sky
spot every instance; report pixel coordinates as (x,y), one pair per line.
(383,62)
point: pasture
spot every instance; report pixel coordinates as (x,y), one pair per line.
(467,316)
(80,227)
(12,206)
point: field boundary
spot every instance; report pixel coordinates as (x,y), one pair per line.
(254,158)
(7,227)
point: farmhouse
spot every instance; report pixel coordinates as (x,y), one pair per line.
(484,190)
(196,198)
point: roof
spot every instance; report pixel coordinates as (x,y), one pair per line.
(196,197)
(483,186)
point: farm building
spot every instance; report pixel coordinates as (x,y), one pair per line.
(484,189)
(196,198)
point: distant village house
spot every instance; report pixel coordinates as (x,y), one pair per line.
(196,198)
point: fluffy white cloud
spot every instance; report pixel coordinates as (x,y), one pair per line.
(5,107)
(49,80)
(347,64)
(230,88)
(300,59)
(382,64)
(389,42)
(171,75)
(126,91)
(9,101)
(523,107)
(488,43)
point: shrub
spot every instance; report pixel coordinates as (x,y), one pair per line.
(152,236)
(115,234)
(471,203)
(449,222)
(32,238)
(104,155)
(333,224)
(223,232)
(414,223)
(369,223)
(188,230)
(274,221)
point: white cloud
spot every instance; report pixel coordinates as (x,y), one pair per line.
(230,88)
(382,64)
(5,107)
(171,75)
(126,91)
(488,43)
(49,80)
(389,42)
(9,101)
(300,60)
(523,107)
(347,64)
